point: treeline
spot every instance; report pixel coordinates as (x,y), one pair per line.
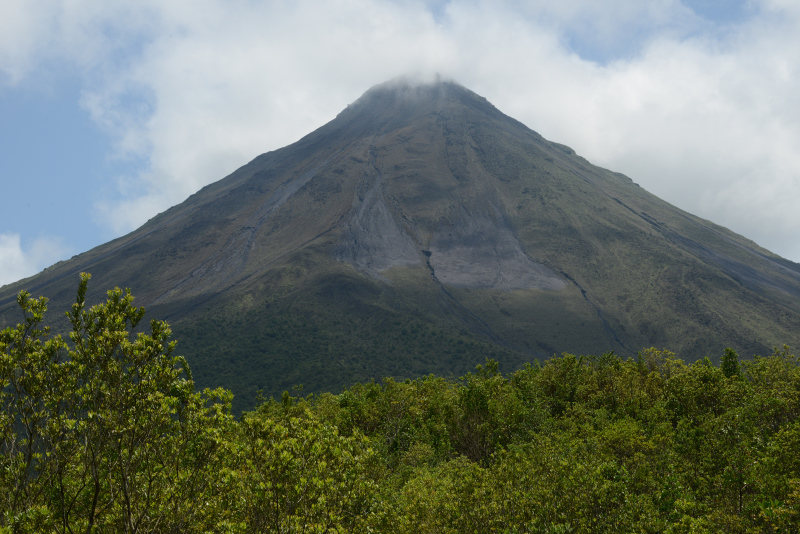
(107,434)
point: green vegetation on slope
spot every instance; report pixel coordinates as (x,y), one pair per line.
(419,232)
(106,434)
(328,334)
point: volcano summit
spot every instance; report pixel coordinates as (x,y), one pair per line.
(422,230)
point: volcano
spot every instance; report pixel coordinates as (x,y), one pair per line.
(422,231)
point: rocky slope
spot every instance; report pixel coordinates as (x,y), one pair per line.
(421,231)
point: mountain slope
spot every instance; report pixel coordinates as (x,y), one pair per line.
(421,231)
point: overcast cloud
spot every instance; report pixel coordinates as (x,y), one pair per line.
(17,262)
(697,106)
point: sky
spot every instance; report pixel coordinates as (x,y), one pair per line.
(111,112)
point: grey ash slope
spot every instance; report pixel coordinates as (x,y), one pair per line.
(423,209)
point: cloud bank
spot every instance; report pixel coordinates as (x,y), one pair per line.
(17,262)
(701,112)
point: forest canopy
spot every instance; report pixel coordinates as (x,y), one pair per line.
(104,432)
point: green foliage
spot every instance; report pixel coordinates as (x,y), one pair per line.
(105,433)
(326,346)
(730,363)
(31,368)
(297,474)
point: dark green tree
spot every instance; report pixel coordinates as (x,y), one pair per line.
(730,363)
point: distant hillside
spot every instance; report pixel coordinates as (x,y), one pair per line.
(421,231)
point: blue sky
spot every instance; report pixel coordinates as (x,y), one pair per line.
(111,112)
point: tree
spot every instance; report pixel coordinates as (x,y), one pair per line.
(108,435)
(30,386)
(730,363)
(299,474)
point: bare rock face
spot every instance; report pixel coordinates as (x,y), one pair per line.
(373,240)
(480,251)
(442,203)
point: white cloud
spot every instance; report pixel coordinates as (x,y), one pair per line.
(17,262)
(712,127)
(703,115)
(23,32)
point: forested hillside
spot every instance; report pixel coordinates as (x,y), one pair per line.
(105,433)
(421,232)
